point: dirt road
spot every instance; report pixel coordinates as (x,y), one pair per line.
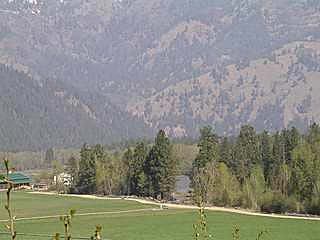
(181,206)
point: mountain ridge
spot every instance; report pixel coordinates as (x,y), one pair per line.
(136,55)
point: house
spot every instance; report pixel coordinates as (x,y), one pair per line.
(19,180)
(64,178)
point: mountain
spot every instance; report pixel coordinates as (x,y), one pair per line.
(174,64)
(38,114)
(269,93)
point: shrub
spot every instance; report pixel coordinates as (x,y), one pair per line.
(278,203)
(314,206)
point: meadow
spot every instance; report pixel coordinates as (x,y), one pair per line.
(123,220)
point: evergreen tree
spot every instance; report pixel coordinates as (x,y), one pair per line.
(129,165)
(203,165)
(225,152)
(291,139)
(314,134)
(139,184)
(49,157)
(247,152)
(208,148)
(161,167)
(87,170)
(280,169)
(73,170)
(303,179)
(266,155)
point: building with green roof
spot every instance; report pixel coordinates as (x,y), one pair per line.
(19,179)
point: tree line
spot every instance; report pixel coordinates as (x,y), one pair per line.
(277,172)
(272,172)
(142,171)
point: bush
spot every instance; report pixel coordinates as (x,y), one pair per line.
(278,203)
(314,206)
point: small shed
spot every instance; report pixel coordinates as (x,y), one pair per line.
(19,180)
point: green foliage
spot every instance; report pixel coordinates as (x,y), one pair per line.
(253,188)
(208,148)
(226,152)
(49,157)
(73,170)
(277,172)
(201,227)
(266,154)
(184,154)
(303,177)
(140,171)
(236,233)
(67,220)
(87,168)
(161,167)
(247,153)
(278,203)
(139,181)
(226,188)
(203,165)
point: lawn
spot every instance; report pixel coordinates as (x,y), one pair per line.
(146,225)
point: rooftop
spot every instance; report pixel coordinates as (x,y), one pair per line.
(18,178)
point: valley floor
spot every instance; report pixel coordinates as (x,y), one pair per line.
(132,220)
(183,206)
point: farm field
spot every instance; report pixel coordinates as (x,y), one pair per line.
(128,220)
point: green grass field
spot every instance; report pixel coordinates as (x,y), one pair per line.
(146,225)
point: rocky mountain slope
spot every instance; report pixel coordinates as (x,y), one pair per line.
(271,93)
(174,64)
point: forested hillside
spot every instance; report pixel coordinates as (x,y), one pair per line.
(174,64)
(37,114)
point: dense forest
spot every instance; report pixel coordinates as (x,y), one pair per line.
(36,113)
(277,172)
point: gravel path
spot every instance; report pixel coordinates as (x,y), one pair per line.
(182,206)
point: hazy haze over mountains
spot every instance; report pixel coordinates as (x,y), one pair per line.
(103,70)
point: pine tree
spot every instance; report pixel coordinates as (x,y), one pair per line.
(129,165)
(247,152)
(73,170)
(139,184)
(49,157)
(313,136)
(87,170)
(161,167)
(266,154)
(208,148)
(203,165)
(225,152)
(302,181)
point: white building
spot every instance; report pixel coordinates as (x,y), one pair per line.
(64,178)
